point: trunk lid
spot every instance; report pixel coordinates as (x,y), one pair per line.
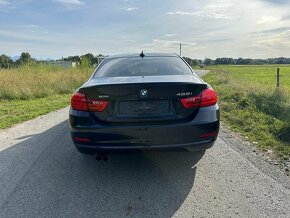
(143,99)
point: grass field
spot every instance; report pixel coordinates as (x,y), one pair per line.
(39,81)
(17,111)
(252,105)
(257,77)
(31,91)
(249,100)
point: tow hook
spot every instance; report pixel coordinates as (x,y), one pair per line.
(101,156)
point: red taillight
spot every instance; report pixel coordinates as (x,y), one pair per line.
(97,105)
(206,98)
(80,102)
(191,102)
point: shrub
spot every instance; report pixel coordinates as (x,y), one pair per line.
(273,103)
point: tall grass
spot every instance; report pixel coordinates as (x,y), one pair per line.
(41,80)
(251,104)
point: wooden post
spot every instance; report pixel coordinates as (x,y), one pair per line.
(180,49)
(278,77)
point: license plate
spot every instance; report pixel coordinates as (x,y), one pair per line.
(152,107)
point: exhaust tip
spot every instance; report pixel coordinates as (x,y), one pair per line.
(101,156)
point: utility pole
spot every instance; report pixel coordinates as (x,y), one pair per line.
(180,49)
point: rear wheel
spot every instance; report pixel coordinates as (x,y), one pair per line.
(86,151)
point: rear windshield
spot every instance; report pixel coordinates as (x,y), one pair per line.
(149,66)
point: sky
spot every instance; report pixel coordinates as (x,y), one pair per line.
(206,28)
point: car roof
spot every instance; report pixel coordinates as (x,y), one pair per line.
(146,55)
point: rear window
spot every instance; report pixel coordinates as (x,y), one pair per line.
(148,66)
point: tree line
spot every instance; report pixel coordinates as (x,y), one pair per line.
(25,58)
(91,60)
(7,62)
(236,61)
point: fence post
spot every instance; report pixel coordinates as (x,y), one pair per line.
(278,78)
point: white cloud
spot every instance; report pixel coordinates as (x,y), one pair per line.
(28,36)
(213,9)
(181,13)
(169,43)
(169,34)
(129,8)
(29,26)
(4,2)
(71,3)
(4,5)
(268,19)
(274,38)
(203,13)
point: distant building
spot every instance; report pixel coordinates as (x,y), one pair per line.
(100,59)
(63,64)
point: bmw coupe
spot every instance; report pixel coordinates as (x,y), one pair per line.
(144,101)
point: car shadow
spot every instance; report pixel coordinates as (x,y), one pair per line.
(45,176)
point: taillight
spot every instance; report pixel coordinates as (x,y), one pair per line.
(206,98)
(79,102)
(97,105)
(191,101)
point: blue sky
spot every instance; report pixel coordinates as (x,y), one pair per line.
(206,28)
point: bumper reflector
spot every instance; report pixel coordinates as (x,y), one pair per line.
(81,139)
(208,135)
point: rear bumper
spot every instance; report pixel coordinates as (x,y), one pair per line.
(198,134)
(195,146)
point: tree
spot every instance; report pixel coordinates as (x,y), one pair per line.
(75,59)
(191,62)
(208,61)
(281,60)
(224,61)
(25,57)
(188,60)
(6,62)
(85,62)
(90,57)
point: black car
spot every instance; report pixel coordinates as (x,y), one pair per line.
(146,101)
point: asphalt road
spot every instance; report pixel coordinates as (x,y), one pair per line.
(42,175)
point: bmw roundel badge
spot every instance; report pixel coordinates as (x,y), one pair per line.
(143,93)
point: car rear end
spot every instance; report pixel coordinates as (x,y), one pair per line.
(125,108)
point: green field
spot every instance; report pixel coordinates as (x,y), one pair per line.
(33,90)
(252,105)
(257,77)
(17,111)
